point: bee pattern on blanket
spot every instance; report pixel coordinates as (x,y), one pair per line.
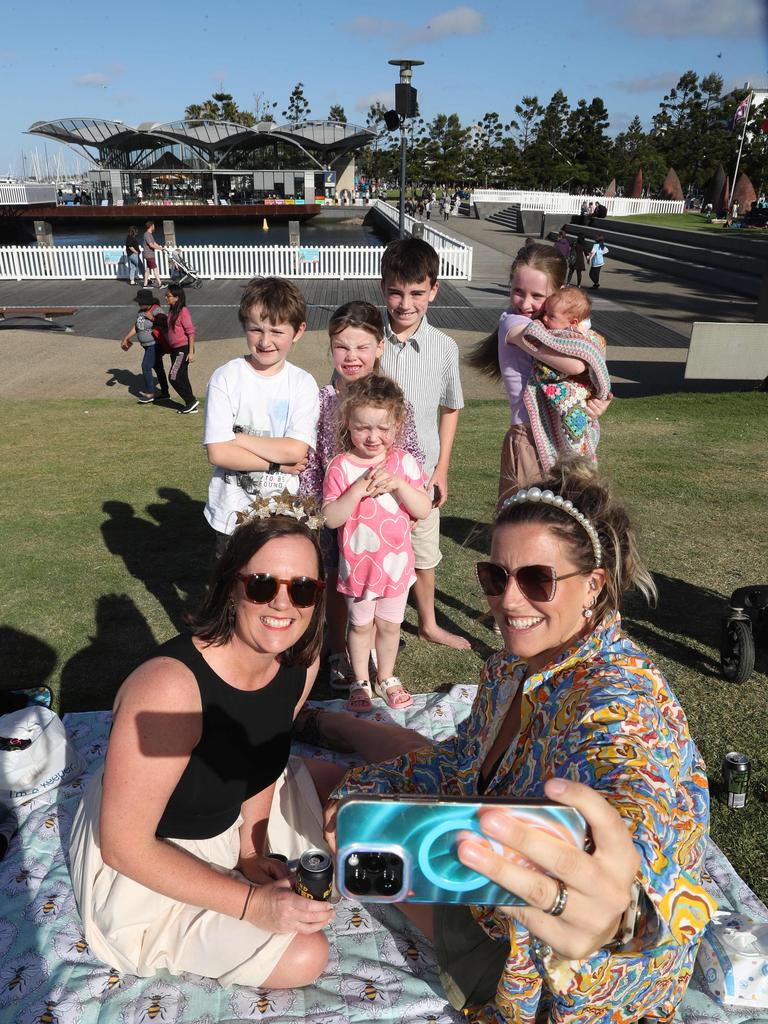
(51,901)
(59,1006)
(103,984)
(161,1003)
(262,1004)
(71,945)
(25,877)
(351,918)
(20,975)
(371,989)
(431,1011)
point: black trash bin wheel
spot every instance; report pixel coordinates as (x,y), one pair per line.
(737,651)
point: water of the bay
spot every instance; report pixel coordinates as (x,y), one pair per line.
(313,232)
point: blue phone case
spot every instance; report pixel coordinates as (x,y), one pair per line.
(422,832)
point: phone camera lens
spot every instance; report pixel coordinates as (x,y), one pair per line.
(389,883)
(375,863)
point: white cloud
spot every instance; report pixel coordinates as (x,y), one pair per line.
(93,80)
(678,18)
(385,96)
(649,83)
(461,21)
(362,25)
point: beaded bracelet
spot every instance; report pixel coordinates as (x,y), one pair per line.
(247,901)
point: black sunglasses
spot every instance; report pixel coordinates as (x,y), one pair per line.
(261,587)
(536,582)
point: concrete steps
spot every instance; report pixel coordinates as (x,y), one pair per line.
(509,217)
(683,254)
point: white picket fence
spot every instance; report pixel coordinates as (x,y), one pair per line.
(561,202)
(21,195)
(455,255)
(341,262)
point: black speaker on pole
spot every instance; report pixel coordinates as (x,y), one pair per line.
(392,120)
(405,100)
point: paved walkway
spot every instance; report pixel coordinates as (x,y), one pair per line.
(647,323)
(672,302)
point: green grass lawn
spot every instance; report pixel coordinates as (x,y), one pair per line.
(102,543)
(693,222)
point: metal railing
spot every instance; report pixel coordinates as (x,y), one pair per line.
(22,195)
(455,255)
(561,202)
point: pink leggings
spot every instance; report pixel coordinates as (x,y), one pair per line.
(391,609)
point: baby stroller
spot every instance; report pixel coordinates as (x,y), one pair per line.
(744,628)
(181,272)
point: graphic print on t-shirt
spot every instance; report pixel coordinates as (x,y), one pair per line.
(258,481)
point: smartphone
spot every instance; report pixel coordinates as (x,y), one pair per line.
(402,849)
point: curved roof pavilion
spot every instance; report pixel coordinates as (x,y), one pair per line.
(205,145)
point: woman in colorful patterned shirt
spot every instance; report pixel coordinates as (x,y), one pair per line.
(609,936)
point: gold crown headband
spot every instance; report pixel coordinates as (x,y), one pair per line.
(535,495)
(303,510)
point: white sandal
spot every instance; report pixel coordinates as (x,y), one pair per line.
(358,689)
(386,689)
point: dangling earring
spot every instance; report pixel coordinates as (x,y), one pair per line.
(231,614)
(587,613)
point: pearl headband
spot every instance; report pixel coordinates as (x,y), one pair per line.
(536,496)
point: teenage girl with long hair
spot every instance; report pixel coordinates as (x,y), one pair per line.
(181,343)
(537,272)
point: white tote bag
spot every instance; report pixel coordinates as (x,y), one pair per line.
(37,755)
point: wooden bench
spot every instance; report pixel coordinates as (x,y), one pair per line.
(41,317)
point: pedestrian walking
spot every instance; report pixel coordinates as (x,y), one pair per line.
(577,262)
(150,260)
(596,259)
(133,254)
(181,342)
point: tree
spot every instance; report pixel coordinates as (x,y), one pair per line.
(336,113)
(487,152)
(298,106)
(588,143)
(633,149)
(220,107)
(523,126)
(548,157)
(446,145)
(263,107)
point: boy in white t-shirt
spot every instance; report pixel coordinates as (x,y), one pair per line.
(260,411)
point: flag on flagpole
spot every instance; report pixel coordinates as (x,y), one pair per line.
(741,110)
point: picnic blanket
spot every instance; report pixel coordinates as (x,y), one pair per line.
(380,968)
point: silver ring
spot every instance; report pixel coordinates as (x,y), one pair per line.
(560,900)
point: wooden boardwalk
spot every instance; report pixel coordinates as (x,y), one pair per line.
(106,309)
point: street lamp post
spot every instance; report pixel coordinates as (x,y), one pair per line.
(405,107)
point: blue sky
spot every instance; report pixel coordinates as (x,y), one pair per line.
(148,64)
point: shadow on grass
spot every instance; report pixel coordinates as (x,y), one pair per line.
(683,610)
(467,533)
(27,661)
(171,556)
(132,382)
(123,639)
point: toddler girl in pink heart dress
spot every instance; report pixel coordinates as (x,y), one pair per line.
(372,492)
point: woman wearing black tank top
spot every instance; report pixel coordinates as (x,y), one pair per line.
(170,852)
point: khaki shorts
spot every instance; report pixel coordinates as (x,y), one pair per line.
(425,538)
(520,466)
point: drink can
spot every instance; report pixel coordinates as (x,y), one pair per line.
(314,875)
(736,771)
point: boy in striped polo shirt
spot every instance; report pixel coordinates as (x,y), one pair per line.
(425,363)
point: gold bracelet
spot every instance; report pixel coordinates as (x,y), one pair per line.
(247,901)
